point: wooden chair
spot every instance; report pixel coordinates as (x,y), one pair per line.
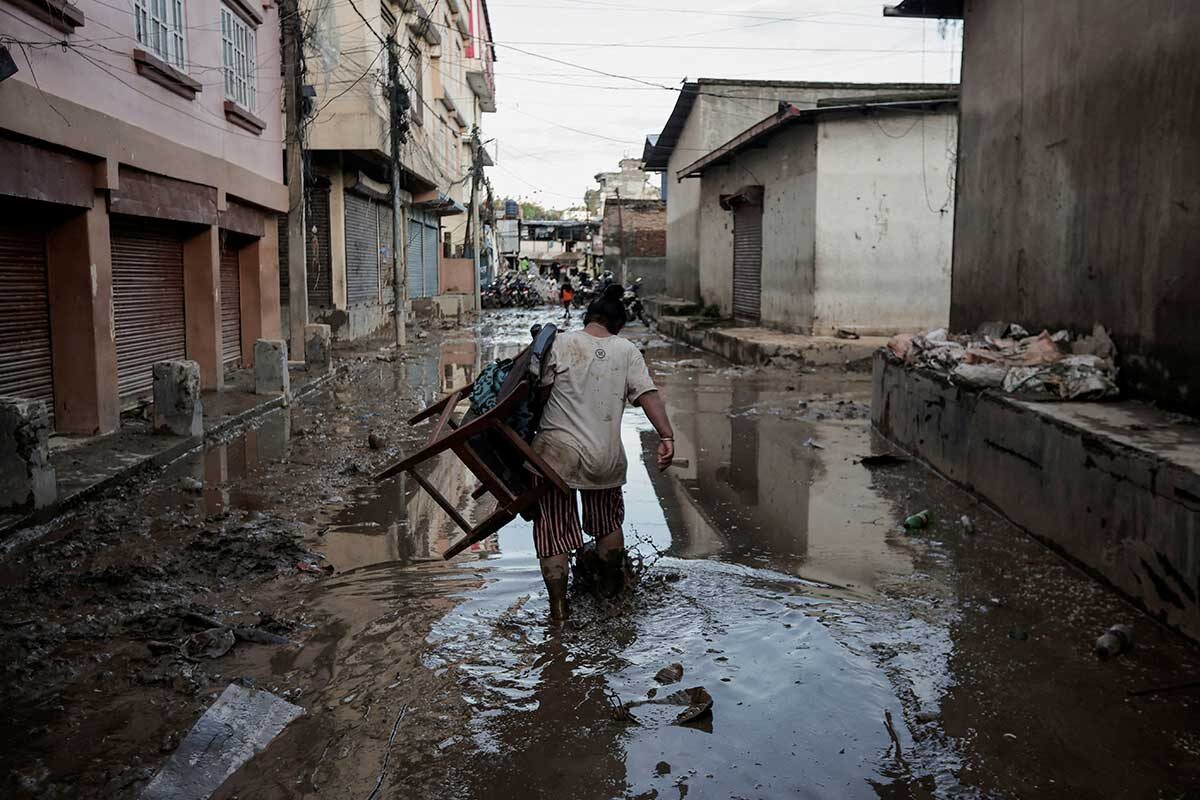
(505,464)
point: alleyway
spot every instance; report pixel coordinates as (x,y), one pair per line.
(845,657)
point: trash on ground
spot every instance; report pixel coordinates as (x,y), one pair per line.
(846,333)
(212,643)
(1115,640)
(1059,366)
(968,525)
(670,674)
(375,441)
(697,703)
(883,460)
(813,443)
(918,521)
(239,724)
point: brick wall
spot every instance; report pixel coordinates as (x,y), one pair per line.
(636,228)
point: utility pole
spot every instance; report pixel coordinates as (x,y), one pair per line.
(399,104)
(620,233)
(473,215)
(297,265)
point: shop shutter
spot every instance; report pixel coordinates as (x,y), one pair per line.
(429,248)
(362,250)
(320,260)
(25,356)
(416,274)
(231,306)
(147,276)
(747,262)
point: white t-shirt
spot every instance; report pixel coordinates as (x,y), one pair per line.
(580,435)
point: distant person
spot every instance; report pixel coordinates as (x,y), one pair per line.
(556,271)
(524,265)
(565,296)
(588,378)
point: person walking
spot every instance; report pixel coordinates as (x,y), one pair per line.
(566,295)
(589,376)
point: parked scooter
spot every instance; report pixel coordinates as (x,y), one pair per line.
(633,302)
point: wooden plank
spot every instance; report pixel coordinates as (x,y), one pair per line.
(441,501)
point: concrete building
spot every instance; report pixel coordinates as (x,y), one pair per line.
(1076,205)
(708,113)
(446,60)
(833,217)
(635,242)
(141,181)
(630,182)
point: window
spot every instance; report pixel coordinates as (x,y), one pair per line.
(238,57)
(417,114)
(159,25)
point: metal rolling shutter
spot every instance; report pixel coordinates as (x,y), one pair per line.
(429,250)
(231,306)
(148,310)
(747,262)
(320,261)
(25,356)
(362,250)
(416,275)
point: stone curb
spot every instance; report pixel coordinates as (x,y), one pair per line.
(159,459)
(748,352)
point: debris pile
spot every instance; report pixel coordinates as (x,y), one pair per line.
(1058,366)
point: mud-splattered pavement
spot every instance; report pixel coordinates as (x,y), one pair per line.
(845,657)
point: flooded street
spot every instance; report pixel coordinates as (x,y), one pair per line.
(845,657)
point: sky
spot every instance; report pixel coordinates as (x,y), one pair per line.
(558,122)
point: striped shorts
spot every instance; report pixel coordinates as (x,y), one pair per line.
(557,529)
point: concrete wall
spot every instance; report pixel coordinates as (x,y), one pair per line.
(1077,199)
(787,171)
(885,216)
(457,276)
(722,111)
(652,271)
(1105,483)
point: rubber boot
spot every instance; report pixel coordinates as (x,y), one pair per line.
(612,572)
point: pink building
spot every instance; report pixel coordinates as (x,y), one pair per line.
(141,144)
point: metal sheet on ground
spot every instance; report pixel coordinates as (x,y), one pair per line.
(240,724)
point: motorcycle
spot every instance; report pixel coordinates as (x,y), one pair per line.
(634,309)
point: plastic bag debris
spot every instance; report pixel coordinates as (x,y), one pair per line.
(1005,357)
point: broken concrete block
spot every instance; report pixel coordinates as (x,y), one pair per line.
(318,348)
(178,409)
(241,723)
(27,479)
(271,367)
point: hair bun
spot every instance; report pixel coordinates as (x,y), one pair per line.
(614,291)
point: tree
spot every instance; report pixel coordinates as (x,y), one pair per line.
(531,210)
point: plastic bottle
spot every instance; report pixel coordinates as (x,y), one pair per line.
(917,521)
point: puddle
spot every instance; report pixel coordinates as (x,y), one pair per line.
(844,657)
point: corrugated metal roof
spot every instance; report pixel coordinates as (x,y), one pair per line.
(789,115)
(656,158)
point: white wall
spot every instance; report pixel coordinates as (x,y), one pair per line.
(721,112)
(885,218)
(787,172)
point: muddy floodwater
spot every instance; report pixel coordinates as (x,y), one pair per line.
(845,657)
